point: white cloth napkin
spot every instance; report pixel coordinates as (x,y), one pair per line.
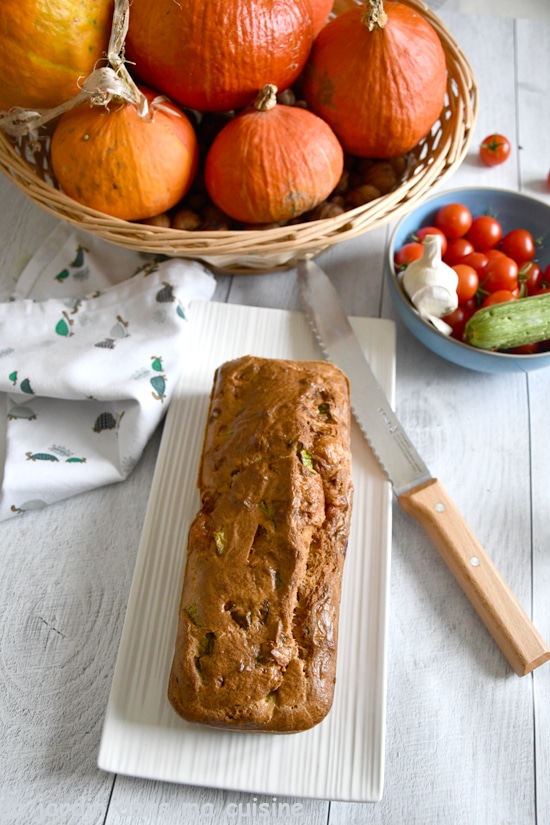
(90,353)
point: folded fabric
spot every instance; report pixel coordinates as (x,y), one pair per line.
(85,379)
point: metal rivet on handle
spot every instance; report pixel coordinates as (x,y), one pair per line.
(440,507)
(474,561)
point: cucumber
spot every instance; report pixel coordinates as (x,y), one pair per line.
(511,324)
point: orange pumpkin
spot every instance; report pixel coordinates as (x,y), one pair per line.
(214,55)
(46,46)
(272,162)
(377,74)
(124,165)
(320,10)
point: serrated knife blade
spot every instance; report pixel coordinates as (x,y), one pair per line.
(419,494)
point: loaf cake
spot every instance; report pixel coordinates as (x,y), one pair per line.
(258,621)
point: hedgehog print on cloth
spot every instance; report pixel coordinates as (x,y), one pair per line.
(86,380)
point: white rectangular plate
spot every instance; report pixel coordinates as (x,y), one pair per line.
(343,757)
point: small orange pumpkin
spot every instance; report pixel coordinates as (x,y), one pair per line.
(124,165)
(377,74)
(214,55)
(46,46)
(272,162)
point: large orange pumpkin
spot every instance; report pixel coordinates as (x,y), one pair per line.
(320,10)
(377,74)
(272,162)
(214,55)
(46,46)
(124,165)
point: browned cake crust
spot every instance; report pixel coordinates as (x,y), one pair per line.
(258,620)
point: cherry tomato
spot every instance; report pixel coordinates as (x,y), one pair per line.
(431,230)
(458,319)
(408,253)
(501,296)
(468,282)
(501,273)
(457,248)
(519,244)
(525,349)
(493,253)
(529,277)
(494,150)
(484,233)
(454,220)
(476,259)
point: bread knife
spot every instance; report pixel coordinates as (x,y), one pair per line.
(419,494)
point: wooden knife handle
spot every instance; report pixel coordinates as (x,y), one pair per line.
(503,615)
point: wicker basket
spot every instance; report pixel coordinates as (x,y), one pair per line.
(434,159)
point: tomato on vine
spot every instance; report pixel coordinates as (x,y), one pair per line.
(494,150)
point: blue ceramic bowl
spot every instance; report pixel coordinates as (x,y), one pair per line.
(513,211)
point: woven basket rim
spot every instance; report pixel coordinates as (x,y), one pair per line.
(280,246)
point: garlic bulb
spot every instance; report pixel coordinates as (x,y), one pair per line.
(431,284)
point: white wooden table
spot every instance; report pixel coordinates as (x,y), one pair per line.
(467,741)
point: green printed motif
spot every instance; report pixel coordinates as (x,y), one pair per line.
(79,257)
(72,459)
(24,386)
(158,382)
(63,326)
(76,264)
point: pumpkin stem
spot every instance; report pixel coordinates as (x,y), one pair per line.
(267,98)
(103,84)
(374,17)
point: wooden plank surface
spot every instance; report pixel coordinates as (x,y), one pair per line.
(467,740)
